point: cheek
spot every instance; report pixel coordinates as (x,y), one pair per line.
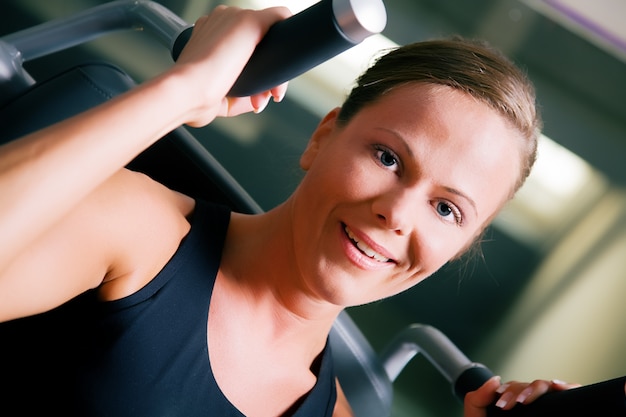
(437,249)
(343,179)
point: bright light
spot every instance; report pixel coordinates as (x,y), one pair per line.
(560,187)
(558,170)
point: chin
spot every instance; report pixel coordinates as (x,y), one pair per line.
(346,292)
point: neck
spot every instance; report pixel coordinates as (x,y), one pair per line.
(258,267)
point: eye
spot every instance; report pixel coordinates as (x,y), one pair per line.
(387,158)
(449,212)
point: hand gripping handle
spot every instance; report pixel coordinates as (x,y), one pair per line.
(303,41)
(604,398)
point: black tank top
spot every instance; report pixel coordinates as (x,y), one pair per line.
(143,355)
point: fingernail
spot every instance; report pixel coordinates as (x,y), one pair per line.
(504,400)
(278,98)
(524,395)
(558,382)
(502,388)
(262,107)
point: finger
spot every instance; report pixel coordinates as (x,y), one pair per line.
(256,103)
(538,388)
(508,394)
(558,385)
(476,401)
(218,25)
(276,14)
(278,92)
(514,392)
(232,107)
(226,36)
(260,101)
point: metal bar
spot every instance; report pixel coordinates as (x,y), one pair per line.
(433,344)
(63,33)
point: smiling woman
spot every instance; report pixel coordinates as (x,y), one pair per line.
(169,291)
(405,179)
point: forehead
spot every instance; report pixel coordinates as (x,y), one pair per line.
(455,140)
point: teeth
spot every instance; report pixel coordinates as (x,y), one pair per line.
(365,248)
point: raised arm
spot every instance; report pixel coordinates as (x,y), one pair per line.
(38,173)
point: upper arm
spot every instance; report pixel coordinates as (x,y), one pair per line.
(63,262)
(342,407)
(107,236)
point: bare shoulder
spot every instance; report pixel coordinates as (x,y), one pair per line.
(149,222)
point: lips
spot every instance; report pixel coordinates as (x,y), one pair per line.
(365,248)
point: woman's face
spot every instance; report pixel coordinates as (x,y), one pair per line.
(396,193)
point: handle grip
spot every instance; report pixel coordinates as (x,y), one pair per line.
(303,41)
(604,398)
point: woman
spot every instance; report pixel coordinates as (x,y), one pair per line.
(413,167)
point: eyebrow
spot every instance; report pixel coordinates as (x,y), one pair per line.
(410,152)
(402,139)
(466,197)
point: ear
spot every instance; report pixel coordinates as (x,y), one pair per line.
(318,138)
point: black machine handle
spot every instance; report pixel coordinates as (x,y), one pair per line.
(303,41)
(605,399)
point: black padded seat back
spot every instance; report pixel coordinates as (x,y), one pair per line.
(61,97)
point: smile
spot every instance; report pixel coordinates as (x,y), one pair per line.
(365,248)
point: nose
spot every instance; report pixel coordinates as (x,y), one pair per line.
(397,210)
